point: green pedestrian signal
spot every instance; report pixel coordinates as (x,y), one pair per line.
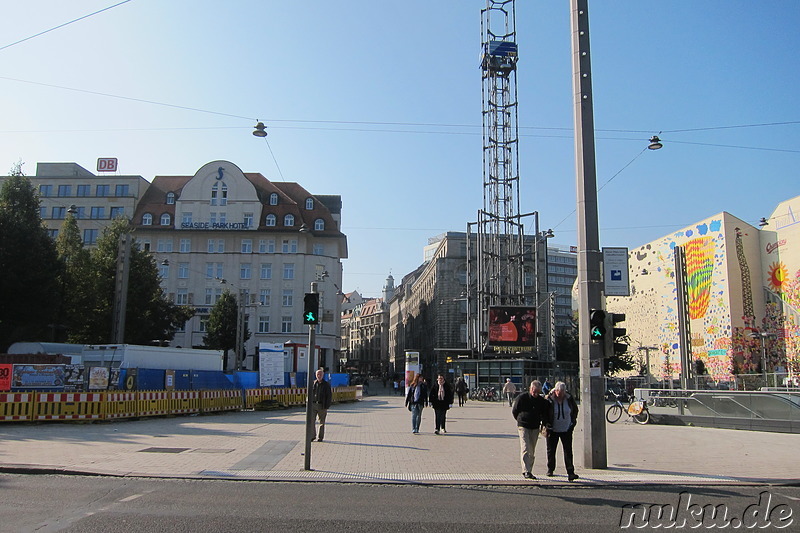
(311,308)
(597,325)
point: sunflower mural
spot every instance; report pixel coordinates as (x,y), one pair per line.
(777,277)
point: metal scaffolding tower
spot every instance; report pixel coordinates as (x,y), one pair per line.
(500,235)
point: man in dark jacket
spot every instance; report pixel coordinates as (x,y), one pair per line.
(321,398)
(530,411)
(562,415)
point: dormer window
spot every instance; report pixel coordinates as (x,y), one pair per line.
(170,198)
(165,219)
(319,224)
(273,199)
(219,194)
(147,219)
(309,204)
(270,220)
(288,220)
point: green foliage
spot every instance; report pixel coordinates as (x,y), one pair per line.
(75,281)
(567,347)
(618,363)
(29,289)
(221,325)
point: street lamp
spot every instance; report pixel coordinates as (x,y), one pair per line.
(655,143)
(647,359)
(261,130)
(763,335)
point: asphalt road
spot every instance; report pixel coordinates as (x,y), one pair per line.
(48,503)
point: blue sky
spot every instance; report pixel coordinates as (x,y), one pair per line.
(380,102)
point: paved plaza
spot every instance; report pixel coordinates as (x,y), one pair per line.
(371,441)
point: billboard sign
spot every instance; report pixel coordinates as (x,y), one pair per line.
(38,376)
(616,280)
(107,164)
(512,326)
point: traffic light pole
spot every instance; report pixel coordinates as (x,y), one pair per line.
(589,280)
(311,369)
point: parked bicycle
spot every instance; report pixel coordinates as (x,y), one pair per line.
(484,394)
(637,410)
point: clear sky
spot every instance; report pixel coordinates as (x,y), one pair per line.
(380,102)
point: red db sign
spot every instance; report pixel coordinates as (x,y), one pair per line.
(107,164)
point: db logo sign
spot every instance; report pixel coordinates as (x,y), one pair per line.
(107,164)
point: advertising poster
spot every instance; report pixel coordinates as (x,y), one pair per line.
(169,380)
(512,326)
(98,378)
(412,367)
(74,377)
(270,364)
(5,377)
(38,376)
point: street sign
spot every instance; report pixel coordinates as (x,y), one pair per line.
(616,280)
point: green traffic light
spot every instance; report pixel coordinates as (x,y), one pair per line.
(311,317)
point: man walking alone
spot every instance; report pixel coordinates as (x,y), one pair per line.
(530,411)
(321,398)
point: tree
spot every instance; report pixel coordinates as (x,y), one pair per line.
(221,326)
(29,289)
(75,280)
(567,347)
(149,315)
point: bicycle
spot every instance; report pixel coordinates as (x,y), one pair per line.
(637,410)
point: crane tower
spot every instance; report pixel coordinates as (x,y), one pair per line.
(499,254)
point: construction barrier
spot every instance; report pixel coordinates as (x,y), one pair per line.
(185,402)
(68,406)
(121,405)
(16,406)
(112,405)
(154,403)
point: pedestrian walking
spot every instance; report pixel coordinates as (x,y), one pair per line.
(461,390)
(509,391)
(546,387)
(416,400)
(562,415)
(530,411)
(321,398)
(441,398)
(396,386)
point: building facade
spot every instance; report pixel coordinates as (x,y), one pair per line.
(266,242)
(741,310)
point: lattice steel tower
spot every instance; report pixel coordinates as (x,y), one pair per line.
(499,253)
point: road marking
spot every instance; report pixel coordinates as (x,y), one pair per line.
(131,497)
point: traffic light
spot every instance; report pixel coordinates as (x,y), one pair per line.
(597,325)
(615,342)
(311,308)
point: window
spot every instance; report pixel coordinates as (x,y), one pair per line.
(319,225)
(90,236)
(165,219)
(102,190)
(266,271)
(97,213)
(286,324)
(309,204)
(59,212)
(288,271)
(203,324)
(263,324)
(244,271)
(247,246)
(164,245)
(117,212)
(264,296)
(288,220)
(210,246)
(186,246)
(287,299)
(170,198)
(220,246)
(65,190)
(182,297)
(214,271)
(42,212)
(80,213)
(209,296)
(273,199)
(318,249)
(186,218)
(144,245)
(147,219)
(270,220)
(248,220)
(121,190)
(163,271)
(222,219)
(289,246)
(83,190)
(45,190)
(183,270)
(219,194)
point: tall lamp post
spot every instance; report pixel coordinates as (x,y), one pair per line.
(647,359)
(763,335)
